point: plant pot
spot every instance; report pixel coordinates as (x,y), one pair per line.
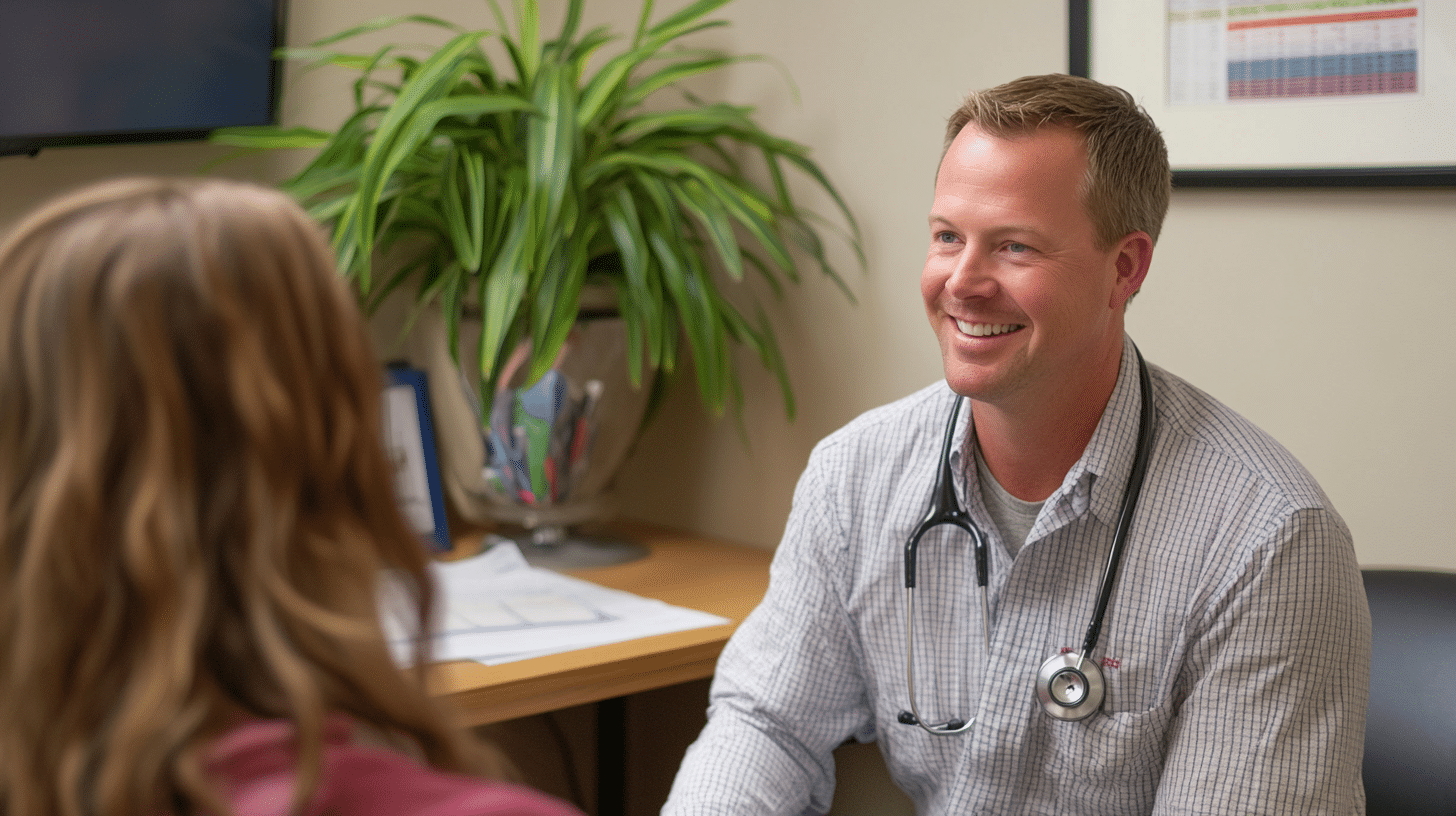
(541,468)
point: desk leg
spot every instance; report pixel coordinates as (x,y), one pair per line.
(612,757)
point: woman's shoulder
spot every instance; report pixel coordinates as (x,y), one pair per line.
(256,765)
(365,781)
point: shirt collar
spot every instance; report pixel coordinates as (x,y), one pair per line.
(1097,480)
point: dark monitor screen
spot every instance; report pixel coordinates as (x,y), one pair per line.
(95,71)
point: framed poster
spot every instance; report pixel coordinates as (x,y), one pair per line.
(1333,93)
(409,438)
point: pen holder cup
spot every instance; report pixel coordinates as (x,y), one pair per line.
(540,468)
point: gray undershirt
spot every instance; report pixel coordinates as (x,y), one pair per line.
(1012,516)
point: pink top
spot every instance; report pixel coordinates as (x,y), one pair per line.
(254,764)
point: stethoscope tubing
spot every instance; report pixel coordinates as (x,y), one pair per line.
(945,508)
(1130,496)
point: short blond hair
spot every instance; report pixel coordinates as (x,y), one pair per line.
(1129,181)
(197,510)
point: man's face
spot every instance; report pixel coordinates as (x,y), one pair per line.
(1024,303)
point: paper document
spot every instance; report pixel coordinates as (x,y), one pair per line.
(498,608)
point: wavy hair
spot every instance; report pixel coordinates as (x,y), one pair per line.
(196,508)
(1129,182)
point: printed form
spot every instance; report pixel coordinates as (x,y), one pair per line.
(497,608)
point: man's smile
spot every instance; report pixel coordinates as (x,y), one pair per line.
(987,329)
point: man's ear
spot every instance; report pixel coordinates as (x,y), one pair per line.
(1132,257)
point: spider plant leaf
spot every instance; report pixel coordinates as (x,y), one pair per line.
(693,197)
(640,288)
(463,207)
(765,271)
(807,235)
(751,213)
(683,277)
(801,161)
(644,18)
(578,54)
(684,281)
(605,85)
(384,89)
(633,329)
(339,157)
(692,124)
(449,294)
(417,268)
(474,166)
(760,338)
(500,17)
(381,23)
(610,81)
(746,207)
(503,290)
(551,147)
(401,131)
(315,58)
(659,217)
(326,212)
(427,118)
(452,207)
(528,19)
(266,137)
(684,21)
(674,74)
(508,205)
(569,26)
(556,307)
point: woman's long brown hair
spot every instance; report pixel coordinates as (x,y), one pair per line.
(196,510)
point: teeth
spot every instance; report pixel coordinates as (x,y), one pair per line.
(986,329)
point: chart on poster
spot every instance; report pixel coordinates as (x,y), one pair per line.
(1231,52)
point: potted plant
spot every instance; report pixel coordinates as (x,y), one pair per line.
(500,189)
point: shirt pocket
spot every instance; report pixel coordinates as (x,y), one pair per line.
(1118,751)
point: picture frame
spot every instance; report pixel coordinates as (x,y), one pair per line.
(1377,140)
(409,434)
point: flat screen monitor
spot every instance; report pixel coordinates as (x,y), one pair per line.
(76,72)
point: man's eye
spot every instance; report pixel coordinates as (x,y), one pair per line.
(945,237)
(1014,247)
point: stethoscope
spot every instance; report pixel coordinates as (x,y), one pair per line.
(1069,686)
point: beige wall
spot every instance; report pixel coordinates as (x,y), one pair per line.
(1324,316)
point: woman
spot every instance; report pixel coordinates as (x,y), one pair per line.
(197,518)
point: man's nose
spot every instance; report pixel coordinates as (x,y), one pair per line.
(972,276)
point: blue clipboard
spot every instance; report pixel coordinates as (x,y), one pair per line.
(410,444)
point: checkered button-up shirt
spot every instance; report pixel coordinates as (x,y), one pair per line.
(1236,647)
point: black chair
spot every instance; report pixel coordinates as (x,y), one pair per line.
(1410,738)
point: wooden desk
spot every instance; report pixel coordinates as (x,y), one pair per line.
(683,570)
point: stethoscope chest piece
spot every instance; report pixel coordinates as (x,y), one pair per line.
(1070,687)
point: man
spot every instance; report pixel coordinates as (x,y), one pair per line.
(1234,659)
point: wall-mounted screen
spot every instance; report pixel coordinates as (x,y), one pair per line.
(99,71)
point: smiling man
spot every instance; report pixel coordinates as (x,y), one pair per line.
(1096,590)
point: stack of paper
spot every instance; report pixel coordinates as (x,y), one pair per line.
(498,608)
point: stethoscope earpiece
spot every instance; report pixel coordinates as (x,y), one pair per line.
(1070,687)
